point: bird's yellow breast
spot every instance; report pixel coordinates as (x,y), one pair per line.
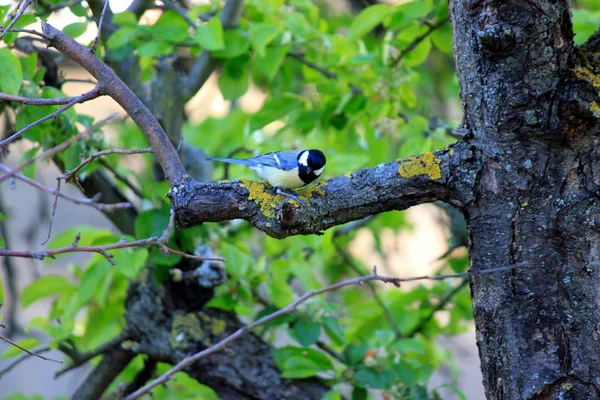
(280,178)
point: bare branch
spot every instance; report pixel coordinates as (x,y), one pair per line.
(38,101)
(103,250)
(81,358)
(110,84)
(325,72)
(291,307)
(413,45)
(206,64)
(20,11)
(100,22)
(77,200)
(31,353)
(57,149)
(68,175)
(24,357)
(92,94)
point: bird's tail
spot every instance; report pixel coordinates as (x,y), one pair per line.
(233,161)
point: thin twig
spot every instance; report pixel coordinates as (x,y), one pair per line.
(92,94)
(38,101)
(77,200)
(68,175)
(18,15)
(81,358)
(121,178)
(413,45)
(100,22)
(54,207)
(24,357)
(326,73)
(103,250)
(386,311)
(193,257)
(291,307)
(440,306)
(31,353)
(57,149)
(30,31)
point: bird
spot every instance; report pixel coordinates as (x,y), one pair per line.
(284,170)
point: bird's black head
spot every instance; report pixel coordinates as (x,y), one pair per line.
(310,165)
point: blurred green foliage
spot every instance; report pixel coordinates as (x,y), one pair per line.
(366,89)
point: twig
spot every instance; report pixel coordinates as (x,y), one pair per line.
(291,307)
(24,357)
(68,175)
(57,149)
(326,73)
(92,94)
(418,40)
(438,307)
(30,31)
(193,257)
(54,207)
(37,101)
(100,22)
(31,353)
(386,311)
(18,15)
(77,200)
(103,250)
(81,358)
(121,178)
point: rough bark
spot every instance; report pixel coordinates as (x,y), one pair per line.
(535,199)
(169,322)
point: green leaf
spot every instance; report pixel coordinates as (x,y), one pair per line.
(44,287)
(235,43)
(374,379)
(273,109)
(368,19)
(359,393)
(306,331)
(154,49)
(297,363)
(1,287)
(88,235)
(234,79)
(261,35)
(333,395)
(442,38)
(12,351)
(29,171)
(93,279)
(405,372)
(12,74)
(125,18)
(333,330)
(75,29)
(210,35)
(270,63)
(151,223)
(170,27)
(122,37)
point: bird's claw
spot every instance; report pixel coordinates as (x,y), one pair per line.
(290,195)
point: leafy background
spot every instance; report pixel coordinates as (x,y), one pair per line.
(366,86)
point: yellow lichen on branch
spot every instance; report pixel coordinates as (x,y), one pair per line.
(257,192)
(425,164)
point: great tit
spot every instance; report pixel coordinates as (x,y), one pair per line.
(285,169)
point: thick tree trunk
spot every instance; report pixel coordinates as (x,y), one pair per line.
(534,198)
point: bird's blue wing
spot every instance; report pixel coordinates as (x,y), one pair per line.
(285,160)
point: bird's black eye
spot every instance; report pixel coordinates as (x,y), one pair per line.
(316,159)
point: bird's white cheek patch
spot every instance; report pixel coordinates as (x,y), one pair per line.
(318,171)
(303,159)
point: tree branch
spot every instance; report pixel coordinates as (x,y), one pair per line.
(100,22)
(68,175)
(391,186)
(20,11)
(109,83)
(101,377)
(92,94)
(206,64)
(291,307)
